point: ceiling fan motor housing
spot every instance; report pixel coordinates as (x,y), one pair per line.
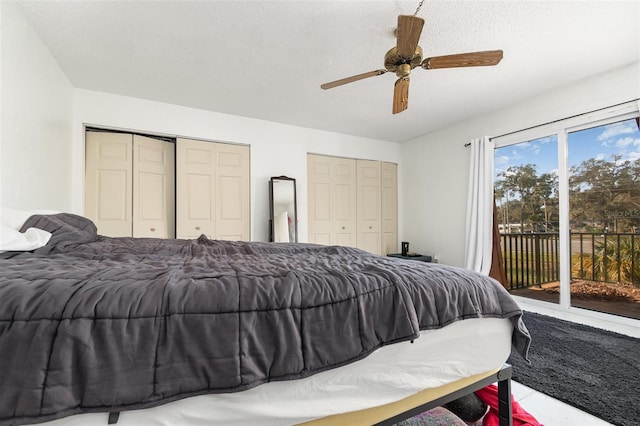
(397,64)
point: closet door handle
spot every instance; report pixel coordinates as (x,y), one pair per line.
(153,229)
(197,228)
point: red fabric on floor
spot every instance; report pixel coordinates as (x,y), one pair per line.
(521,417)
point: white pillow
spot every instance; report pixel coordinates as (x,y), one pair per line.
(14,218)
(14,240)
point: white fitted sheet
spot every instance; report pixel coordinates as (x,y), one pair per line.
(393,372)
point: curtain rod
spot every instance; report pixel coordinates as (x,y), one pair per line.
(558,120)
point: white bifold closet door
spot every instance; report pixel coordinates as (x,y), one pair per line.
(353,203)
(332,200)
(377,206)
(369,192)
(153,188)
(213,190)
(129,185)
(389,208)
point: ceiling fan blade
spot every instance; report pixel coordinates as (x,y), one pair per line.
(351,79)
(409,30)
(472,59)
(401,95)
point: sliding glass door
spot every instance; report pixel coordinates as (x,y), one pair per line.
(526,194)
(568,206)
(604,217)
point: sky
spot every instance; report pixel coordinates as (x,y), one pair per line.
(602,142)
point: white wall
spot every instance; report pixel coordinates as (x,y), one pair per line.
(42,142)
(42,137)
(35,121)
(435,166)
(276,149)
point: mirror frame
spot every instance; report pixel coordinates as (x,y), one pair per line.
(271,208)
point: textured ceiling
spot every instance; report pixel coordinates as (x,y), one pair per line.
(267,59)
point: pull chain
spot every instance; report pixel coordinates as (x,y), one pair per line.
(419,6)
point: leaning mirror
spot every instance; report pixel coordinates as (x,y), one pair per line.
(283,207)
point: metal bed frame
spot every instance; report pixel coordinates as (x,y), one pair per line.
(502,376)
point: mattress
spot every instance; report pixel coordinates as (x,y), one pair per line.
(438,357)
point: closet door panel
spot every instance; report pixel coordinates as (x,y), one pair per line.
(344,228)
(153,189)
(233,187)
(389,208)
(231,209)
(199,207)
(344,202)
(108,182)
(319,199)
(322,202)
(196,201)
(369,196)
(111,206)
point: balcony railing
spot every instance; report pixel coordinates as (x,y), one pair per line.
(532,259)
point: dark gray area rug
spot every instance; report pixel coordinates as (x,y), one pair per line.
(594,370)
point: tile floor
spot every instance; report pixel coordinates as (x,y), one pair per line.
(547,410)
(551,412)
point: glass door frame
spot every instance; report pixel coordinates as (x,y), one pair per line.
(561,129)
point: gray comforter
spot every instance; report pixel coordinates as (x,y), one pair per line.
(90,323)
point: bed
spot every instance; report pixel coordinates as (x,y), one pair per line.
(215,332)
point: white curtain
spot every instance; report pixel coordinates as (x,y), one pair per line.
(479,229)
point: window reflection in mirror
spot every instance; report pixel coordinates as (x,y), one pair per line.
(282,202)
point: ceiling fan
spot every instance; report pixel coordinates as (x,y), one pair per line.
(407,55)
